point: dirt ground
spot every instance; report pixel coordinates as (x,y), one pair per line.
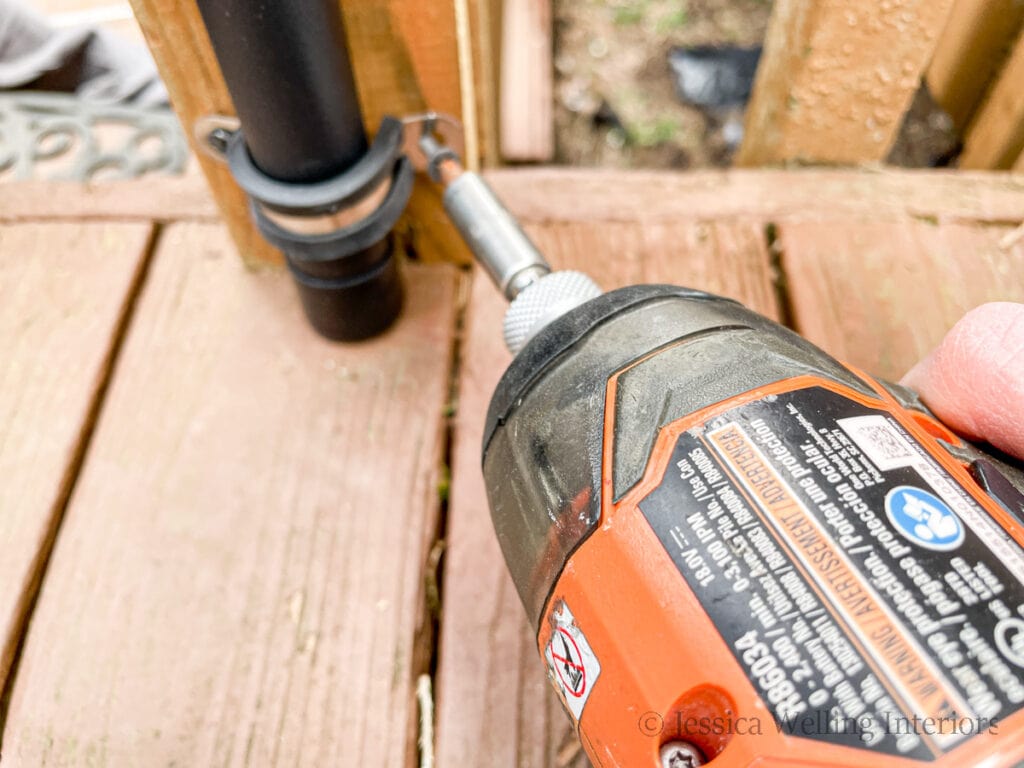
(615,100)
(615,103)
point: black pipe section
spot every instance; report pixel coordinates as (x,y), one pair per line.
(302,156)
(286,65)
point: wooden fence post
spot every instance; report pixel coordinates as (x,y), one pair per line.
(995,137)
(837,77)
(970,50)
(405,56)
(527,97)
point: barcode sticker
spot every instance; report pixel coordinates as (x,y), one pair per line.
(880,441)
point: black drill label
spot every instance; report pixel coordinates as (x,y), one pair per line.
(871,601)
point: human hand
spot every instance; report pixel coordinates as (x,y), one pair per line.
(974,379)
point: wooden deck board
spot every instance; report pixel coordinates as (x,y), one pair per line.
(595,194)
(238,580)
(495,706)
(156,198)
(239,576)
(880,296)
(65,290)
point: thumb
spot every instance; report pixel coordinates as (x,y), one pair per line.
(974,379)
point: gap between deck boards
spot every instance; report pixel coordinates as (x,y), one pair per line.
(431,308)
(28,600)
(426,712)
(427,645)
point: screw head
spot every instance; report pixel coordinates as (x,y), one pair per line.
(218,140)
(213,132)
(680,754)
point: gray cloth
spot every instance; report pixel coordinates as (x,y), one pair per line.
(93,64)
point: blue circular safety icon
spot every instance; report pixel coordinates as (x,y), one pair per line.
(923,518)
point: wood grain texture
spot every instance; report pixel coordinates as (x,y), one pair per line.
(181,49)
(485,25)
(239,577)
(836,78)
(996,135)
(880,296)
(543,194)
(495,706)
(493,703)
(404,58)
(527,89)
(564,194)
(66,290)
(155,198)
(971,48)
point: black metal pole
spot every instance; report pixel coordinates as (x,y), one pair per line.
(287,67)
(302,156)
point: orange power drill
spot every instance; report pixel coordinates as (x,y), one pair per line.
(735,550)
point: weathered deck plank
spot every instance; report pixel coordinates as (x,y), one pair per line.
(163,198)
(880,296)
(66,289)
(238,580)
(219,594)
(495,707)
(594,194)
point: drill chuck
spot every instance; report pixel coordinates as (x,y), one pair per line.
(513,262)
(543,301)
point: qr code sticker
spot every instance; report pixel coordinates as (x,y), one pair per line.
(880,440)
(890,446)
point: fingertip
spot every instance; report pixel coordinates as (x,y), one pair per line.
(917,377)
(974,379)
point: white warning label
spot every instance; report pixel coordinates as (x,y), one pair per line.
(880,439)
(573,666)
